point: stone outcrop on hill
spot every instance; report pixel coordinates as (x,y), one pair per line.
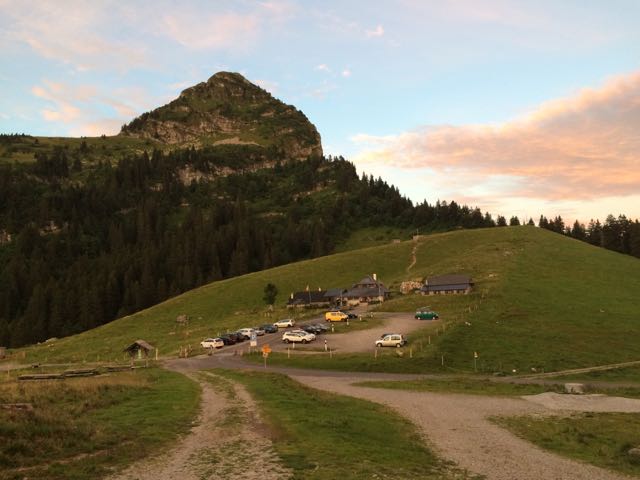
(228,109)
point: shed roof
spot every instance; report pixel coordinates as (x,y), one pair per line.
(139,344)
(334,292)
(308,296)
(367,281)
(449,280)
(360,292)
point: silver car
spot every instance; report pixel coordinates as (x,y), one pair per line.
(391,340)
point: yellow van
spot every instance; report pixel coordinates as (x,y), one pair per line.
(335,316)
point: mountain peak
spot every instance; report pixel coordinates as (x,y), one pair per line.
(229,109)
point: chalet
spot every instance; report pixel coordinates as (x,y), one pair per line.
(444,284)
(309,299)
(367,290)
(335,296)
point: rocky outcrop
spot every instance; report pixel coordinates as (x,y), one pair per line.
(228,109)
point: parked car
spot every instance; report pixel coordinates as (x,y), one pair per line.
(237,337)
(312,329)
(269,328)
(299,330)
(212,343)
(425,313)
(287,322)
(297,337)
(391,340)
(228,340)
(335,316)
(246,332)
(352,316)
(322,327)
(259,331)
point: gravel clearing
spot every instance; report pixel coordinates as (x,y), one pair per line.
(585,403)
(458,428)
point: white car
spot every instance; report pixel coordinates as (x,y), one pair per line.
(304,332)
(259,332)
(247,332)
(212,343)
(297,337)
(391,340)
(287,322)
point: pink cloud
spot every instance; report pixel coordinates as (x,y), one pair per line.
(376,32)
(70,33)
(106,126)
(195,30)
(579,147)
(79,105)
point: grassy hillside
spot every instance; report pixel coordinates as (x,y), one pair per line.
(22,149)
(227,304)
(81,427)
(541,301)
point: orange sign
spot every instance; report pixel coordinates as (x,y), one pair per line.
(266,349)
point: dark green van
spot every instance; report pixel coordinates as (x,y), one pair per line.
(426,314)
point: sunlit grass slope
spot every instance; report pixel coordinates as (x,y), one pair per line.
(541,301)
(227,304)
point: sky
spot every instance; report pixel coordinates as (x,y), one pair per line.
(520,108)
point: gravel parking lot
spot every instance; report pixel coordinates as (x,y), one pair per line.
(358,340)
(350,342)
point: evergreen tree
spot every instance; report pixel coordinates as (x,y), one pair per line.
(270,294)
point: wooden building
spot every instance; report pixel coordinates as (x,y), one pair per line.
(447,284)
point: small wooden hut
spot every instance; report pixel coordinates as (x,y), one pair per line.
(139,348)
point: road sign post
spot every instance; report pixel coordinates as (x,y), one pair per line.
(266,350)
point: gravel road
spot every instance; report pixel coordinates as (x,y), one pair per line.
(458,429)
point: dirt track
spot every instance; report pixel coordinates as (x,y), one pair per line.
(215,448)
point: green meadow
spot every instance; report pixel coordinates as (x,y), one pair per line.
(602,439)
(82,428)
(321,435)
(542,302)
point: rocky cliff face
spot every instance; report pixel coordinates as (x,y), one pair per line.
(228,109)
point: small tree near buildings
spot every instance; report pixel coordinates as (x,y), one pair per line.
(270,294)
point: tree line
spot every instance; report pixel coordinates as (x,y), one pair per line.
(619,234)
(96,242)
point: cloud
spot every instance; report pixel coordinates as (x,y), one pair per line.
(323,90)
(346,73)
(111,35)
(196,30)
(72,32)
(322,68)
(105,126)
(78,106)
(271,87)
(582,147)
(376,32)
